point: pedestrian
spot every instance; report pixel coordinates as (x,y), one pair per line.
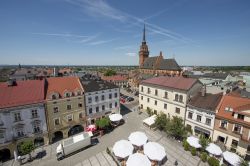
(176,163)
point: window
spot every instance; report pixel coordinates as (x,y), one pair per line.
(67,94)
(115,95)
(110,96)
(53,97)
(103,107)
(148,100)
(141,88)
(190,115)
(165,106)
(70,118)
(68,107)
(115,104)
(166,95)
(234,143)
(80,105)
(141,97)
(110,105)
(34,113)
(20,132)
(149,91)
(177,110)
(96,99)
(96,109)
(36,128)
(80,115)
(55,109)
(155,102)
(103,98)
(198,118)
(176,97)
(17,116)
(156,92)
(141,106)
(90,110)
(237,128)
(180,98)
(208,121)
(56,121)
(240,116)
(155,112)
(223,124)
(89,100)
(1,134)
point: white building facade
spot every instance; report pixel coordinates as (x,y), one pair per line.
(101,99)
(169,100)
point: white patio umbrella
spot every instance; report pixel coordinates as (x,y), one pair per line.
(214,149)
(231,158)
(115,117)
(194,142)
(138,159)
(138,138)
(154,151)
(123,148)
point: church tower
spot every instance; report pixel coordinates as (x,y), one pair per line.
(143,53)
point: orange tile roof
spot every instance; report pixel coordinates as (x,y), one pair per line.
(238,104)
(23,93)
(62,84)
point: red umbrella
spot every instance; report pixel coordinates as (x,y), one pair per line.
(91,128)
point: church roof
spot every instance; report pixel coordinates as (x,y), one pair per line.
(165,64)
(169,64)
(149,62)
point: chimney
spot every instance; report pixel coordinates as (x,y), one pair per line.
(203,90)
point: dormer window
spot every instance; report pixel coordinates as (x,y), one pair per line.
(240,117)
(54,96)
(228,109)
(67,94)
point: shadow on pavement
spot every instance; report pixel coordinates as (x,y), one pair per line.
(124,110)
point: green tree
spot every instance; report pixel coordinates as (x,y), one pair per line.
(161,121)
(212,161)
(176,128)
(186,145)
(203,156)
(26,147)
(103,123)
(204,142)
(110,72)
(193,151)
(149,112)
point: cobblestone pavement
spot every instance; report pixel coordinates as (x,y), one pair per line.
(97,156)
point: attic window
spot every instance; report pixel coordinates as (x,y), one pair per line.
(67,94)
(228,109)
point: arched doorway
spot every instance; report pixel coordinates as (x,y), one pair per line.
(75,130)
(39,141)
(4,155)
(57,136)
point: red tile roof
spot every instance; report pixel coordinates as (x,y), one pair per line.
(238,104)
(114,78)
(171,82)
(62,84)
(23,93)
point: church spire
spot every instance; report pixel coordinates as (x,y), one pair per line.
(144,34)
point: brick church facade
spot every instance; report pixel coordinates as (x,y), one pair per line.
(156,65)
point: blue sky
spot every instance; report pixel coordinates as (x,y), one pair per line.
(96,32)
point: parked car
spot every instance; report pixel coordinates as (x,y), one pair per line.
(122,100)
(130,99)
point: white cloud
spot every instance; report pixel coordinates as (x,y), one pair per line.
(131,54)
(101,42)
